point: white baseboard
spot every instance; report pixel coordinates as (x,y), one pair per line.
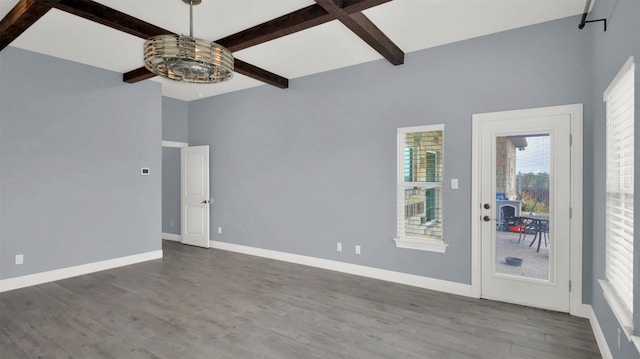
(63,273)
(582,311)
(171,237)
(598,333)
(364,271)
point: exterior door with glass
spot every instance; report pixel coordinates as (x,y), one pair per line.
(524,197)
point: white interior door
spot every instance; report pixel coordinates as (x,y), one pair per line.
(525,203)
(195,195)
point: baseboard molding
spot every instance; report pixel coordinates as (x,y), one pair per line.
(63,273)
(598,333)
(171,237)
(581,311)
(364,271)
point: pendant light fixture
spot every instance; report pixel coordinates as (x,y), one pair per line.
(186,58)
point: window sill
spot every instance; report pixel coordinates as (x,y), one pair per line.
(636,342)
(431,245)
(622,315)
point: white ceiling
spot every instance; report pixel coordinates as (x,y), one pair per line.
(412,24)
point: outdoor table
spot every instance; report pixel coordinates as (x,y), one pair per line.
(541,225)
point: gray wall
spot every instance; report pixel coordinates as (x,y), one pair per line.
(298,170)
(175,116)
(73,139)
(611,49)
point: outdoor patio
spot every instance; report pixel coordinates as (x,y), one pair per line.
(534,264)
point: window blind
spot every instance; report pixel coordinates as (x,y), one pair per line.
(619,98)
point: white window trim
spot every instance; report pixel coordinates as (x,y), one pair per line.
(407,242)
(623,70)
(619,309)
(428,244)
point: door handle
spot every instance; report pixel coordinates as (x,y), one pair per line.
(206,201)
(487,218)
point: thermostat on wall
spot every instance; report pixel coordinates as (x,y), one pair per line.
(144,171)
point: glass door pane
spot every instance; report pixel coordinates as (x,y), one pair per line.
(522,206)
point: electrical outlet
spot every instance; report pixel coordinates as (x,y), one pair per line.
(19,258)
(219,230)
(454,183)
(357,249)
(339,247)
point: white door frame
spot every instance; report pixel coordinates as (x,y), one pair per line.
(576,307)
(178,145)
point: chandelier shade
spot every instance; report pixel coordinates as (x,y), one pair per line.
(186,58)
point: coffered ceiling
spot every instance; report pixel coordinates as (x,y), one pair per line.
(274,41)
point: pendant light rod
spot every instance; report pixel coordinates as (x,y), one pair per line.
(191,3)
(191,18)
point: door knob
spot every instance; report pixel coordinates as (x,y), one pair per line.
(487,218)
(206,201)
(486,206)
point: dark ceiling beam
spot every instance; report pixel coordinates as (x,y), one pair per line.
(109,17)
(365,29)
(354,6)
(290,23)
(372,35)
(299,20)
(241,67)
(24,14)
(259,74)
(137,75)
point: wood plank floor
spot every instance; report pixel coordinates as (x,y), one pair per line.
(198,303)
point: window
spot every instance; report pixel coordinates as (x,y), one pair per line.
(419,180)
(618,287)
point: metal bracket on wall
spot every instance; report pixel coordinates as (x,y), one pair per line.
(584,17)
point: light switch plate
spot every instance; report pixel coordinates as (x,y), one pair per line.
(454,183)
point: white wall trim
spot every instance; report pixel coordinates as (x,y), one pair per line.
(364,271)
(422,244)
(63,273)
(623,316)
(174,144)
(577,171)
(476,160)
(598,333)
(172,237)
(576,113)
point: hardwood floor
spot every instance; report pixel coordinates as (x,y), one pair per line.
(198,303)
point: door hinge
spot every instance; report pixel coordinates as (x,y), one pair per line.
(570,139)
(569,286)
(570,212)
